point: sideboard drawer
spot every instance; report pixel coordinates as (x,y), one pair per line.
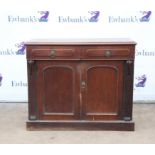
(106,52)
(53,53)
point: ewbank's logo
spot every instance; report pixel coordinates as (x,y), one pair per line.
(145,52)
(18,49)
(141,80)
(15,83)
(44,16)
(39,16)
(91,16)
(142,16)
(21,48)
(94,16)
(1,77)
(145,16)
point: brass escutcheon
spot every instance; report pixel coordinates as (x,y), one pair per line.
(107,53)
(53,53)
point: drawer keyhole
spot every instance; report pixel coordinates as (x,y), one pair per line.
(83,84)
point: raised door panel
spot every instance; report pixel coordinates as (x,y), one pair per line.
(57,90)
(102,95)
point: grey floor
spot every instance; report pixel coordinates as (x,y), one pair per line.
(14,115)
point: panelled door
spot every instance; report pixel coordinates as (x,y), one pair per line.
(57,90)
(101,88)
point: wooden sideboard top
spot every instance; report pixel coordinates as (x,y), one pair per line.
(97,41)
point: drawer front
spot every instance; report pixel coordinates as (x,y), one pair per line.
(108,52)
(52,52)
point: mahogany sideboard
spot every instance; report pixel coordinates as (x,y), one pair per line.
(80,84)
